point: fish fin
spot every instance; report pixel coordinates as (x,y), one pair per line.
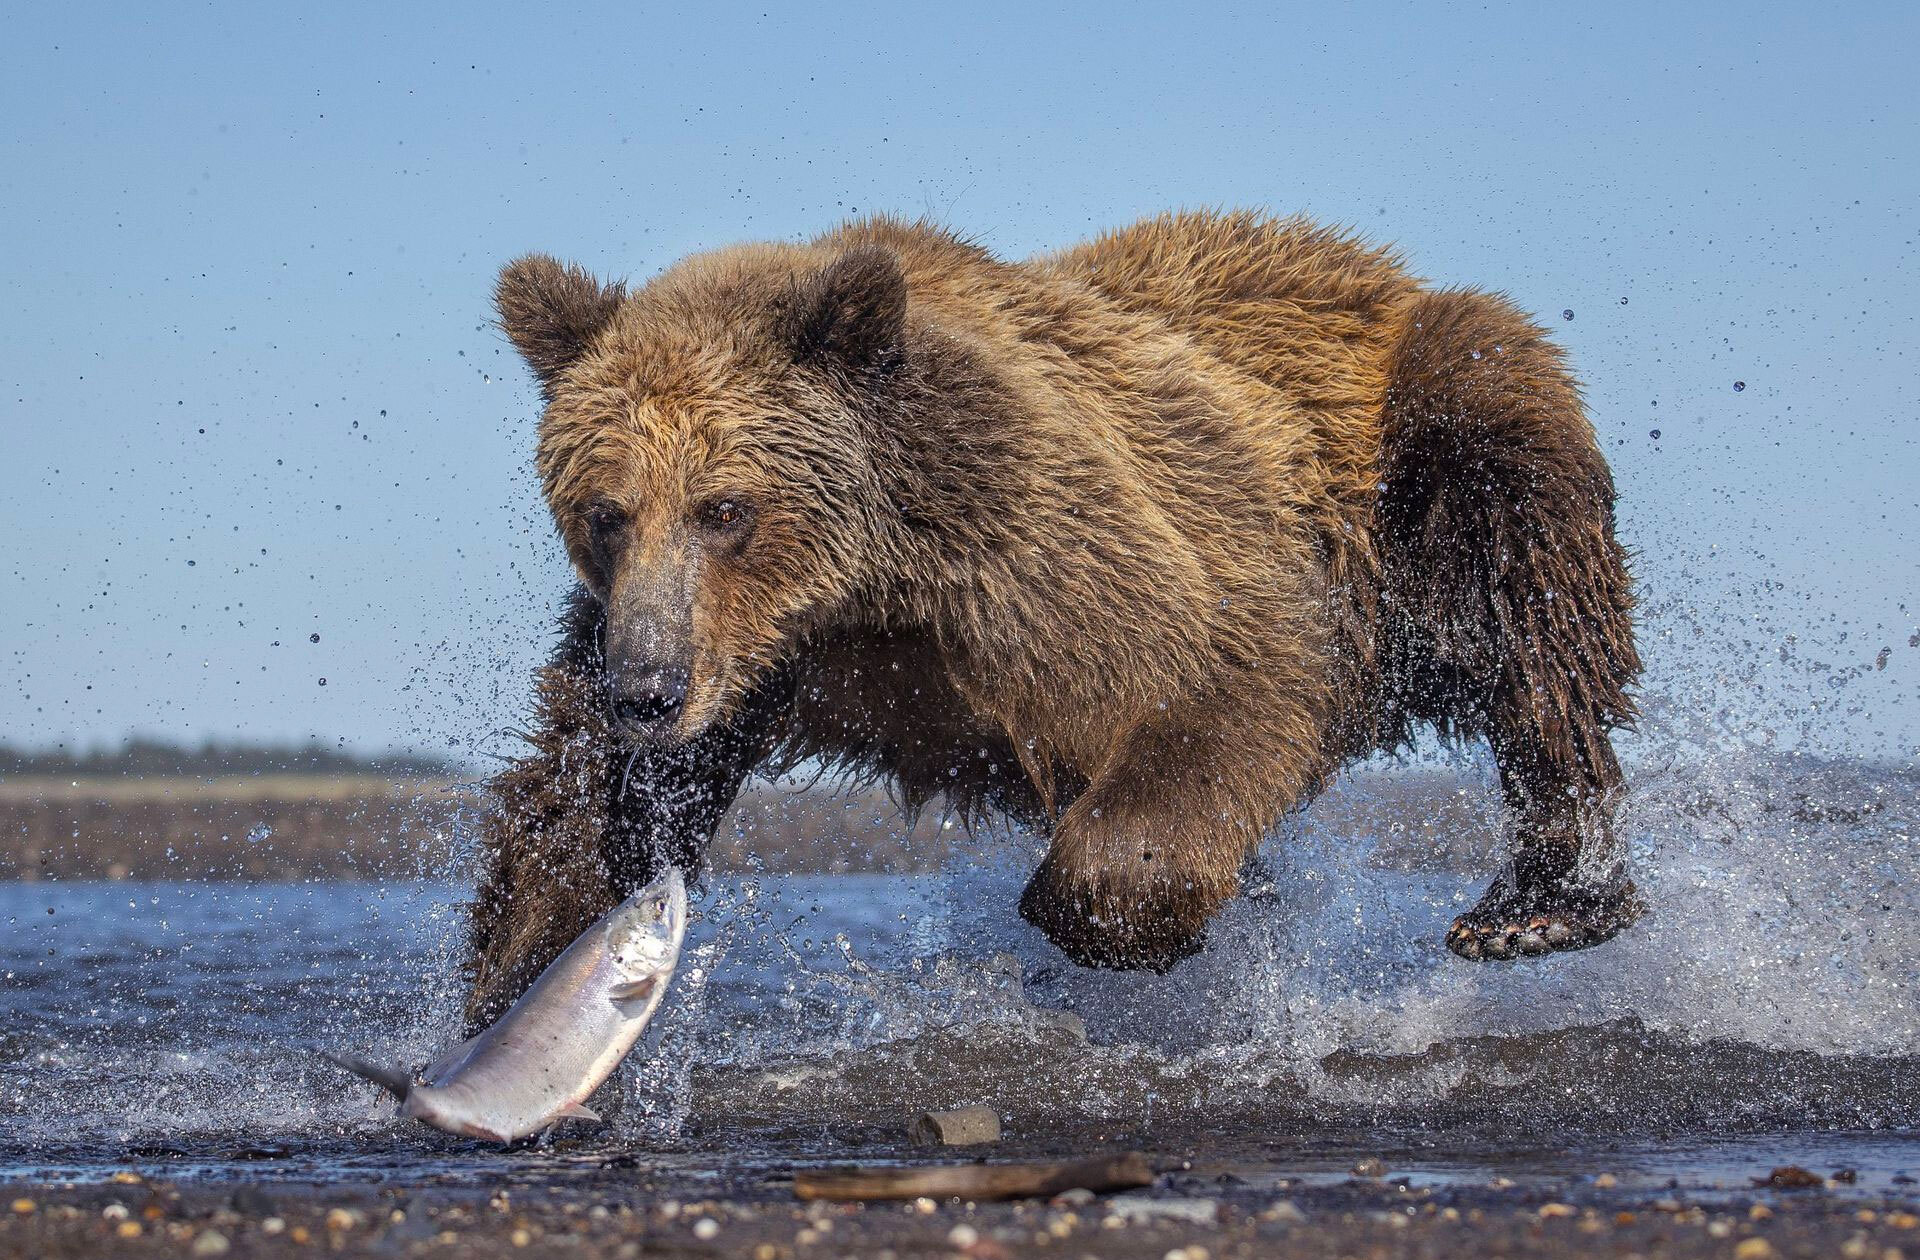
(577,1111)
(393,1082)
(632,998)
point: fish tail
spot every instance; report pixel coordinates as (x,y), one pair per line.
(393,1082)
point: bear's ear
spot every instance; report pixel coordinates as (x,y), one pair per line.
(852,314)
(552,311)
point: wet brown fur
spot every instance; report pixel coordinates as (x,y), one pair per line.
(1134,543)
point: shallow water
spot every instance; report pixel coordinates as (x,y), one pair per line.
(1765,1011)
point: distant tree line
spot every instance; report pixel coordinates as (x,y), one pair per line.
(144,756)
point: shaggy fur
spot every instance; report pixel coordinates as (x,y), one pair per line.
(1135,544)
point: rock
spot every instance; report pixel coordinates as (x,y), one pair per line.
(1754,1249)
(1139,1207)
(1790,1177)
(967,1126)
(1370,1167)
(211,1243)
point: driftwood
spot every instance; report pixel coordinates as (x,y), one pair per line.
(967,1126)
(975,1181)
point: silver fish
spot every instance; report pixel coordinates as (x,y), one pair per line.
(538,1062)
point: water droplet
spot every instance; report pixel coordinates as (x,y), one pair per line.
(1738,386)
(1654,434)
(323,682)
(258,832)
(1567,314)
(314,637)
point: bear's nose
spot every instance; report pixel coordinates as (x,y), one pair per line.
(647,700)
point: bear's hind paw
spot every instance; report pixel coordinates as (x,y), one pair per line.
(1505,925)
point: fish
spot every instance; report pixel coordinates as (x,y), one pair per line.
(536,1064)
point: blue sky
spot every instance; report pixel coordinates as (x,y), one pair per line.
(250,392)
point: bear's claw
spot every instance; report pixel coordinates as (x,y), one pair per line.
(1508,925)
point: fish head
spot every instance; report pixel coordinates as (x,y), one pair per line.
(644,934)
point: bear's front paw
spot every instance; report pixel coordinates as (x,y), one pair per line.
(1510,923)
(1102,921)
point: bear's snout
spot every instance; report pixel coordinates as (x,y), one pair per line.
(647,699)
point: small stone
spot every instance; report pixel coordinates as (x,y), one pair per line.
(967,1126)
(23,1207)
(300,1235)
(211,1243)
(341,1219)
(114,1212)
(127,1229)
(1370,1167)
(273,1225)
(520,1237)
(1558,1209)
(925,1206)
(706,1228)
(766,1251)
(961,1237)
(126,1179)
(1605,1181)
(1079,1196)
(1754,1249)
(1903,1220)
(1790,1177)
(1289,1211)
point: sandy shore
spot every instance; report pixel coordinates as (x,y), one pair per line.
(1191,1213)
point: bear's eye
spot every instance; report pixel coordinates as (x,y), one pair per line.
(725,516)
(604,520)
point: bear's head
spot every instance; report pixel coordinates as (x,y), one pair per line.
(708,451)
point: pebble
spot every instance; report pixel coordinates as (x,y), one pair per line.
(1558,1209)
(1606,1181)
(273,1225)
(340,1219)
(1754,1249)
(211,1243)
(114,1212)
(705,1228)
(1370,1167)
(520,1237)
(23,1207)
(128,1229)
(961,1237)
(1287,1210)
(1139,1207)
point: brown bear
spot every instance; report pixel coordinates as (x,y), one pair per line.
(1134,544)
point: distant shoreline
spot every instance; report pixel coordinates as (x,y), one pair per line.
(361,826)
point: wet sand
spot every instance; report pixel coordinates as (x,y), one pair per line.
(1194,1211)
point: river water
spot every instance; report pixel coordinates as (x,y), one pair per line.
(1767,1010)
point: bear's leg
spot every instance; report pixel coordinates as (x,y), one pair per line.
(1510,607)
(1149,852)
(584,820)
(1565,885)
